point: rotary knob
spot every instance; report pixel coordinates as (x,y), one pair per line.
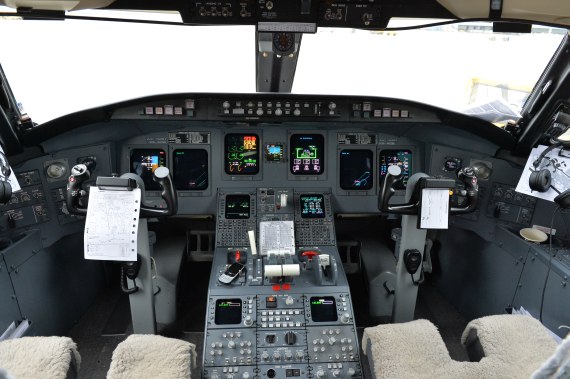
(278,112)
(332,106)
(289,300)
(288,356)
(231,344)
(320,373)
(265,356)
(345,318)
(259,112)
(245,375)
(226,105)
(351,372)
(290,338)
(332,340)
(276,356)
(336,373)
(297,112)
(299,355)
(248,321)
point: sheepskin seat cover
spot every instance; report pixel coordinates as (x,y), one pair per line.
(514,347)
(150,356)
(39,358)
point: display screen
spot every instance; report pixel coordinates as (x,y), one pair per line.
(237,206)
(144,162)
(274,152)
(356,169)
(402,158)
(190,169)
(241,154)
(312,206)
(323,309)
(307,154)
(228,311)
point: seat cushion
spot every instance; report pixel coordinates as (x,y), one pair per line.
(408,350)
(150,356)
(513,348)
(40,357)
(519,340)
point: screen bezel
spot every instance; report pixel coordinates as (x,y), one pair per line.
(292,155)
(384,152)
(330,314)
(302,201)
(268,154)
(236,196)
(340,174)
(149,183)
(223,319)
(227,160)
(175,169)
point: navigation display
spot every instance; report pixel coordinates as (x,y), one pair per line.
(402,158)
(228,311)
(356,169)
(241,154)
(190,168)
(307,154)
(144,162)
(312,206)
(237,206)
(323,309)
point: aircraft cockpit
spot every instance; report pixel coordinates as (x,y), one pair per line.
(405,217)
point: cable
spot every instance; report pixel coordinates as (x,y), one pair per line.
(549,262)
(45,16)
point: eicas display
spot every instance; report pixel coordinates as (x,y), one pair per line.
(307,154)
(241,154)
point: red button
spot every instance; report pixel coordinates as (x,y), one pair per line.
(286,287)
(276,287)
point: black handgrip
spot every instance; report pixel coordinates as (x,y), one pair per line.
(394,175)
(467,176)
(162,176)
(79,174)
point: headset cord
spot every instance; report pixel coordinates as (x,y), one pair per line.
(549,262)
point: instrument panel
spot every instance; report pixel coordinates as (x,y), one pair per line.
(238,142)
(354,164)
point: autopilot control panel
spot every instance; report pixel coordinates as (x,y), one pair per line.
(279,304)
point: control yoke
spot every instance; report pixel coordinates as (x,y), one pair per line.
(394,175)
(76,196)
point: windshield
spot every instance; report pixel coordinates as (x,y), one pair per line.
(56,68)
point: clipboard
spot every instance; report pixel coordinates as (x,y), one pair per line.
(111,226)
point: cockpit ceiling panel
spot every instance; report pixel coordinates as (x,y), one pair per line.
(547,11)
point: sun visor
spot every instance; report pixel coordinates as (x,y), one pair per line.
(57,5)
(556,12)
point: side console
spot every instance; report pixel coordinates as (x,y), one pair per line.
(298,324)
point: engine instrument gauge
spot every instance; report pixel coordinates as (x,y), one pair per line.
(452,164)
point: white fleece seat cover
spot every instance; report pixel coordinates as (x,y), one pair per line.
(39,357)
(518,340)
(416,350)
(150,356)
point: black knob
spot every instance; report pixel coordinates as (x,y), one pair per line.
(290,338)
